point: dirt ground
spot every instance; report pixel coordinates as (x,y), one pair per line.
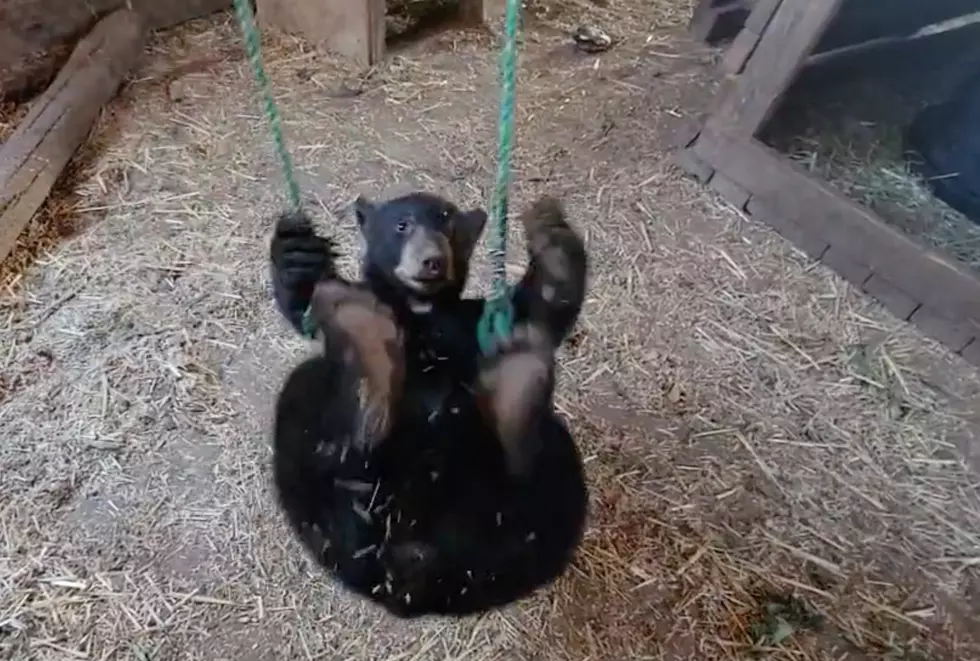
(779,468)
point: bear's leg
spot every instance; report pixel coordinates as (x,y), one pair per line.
(366,330)
(514,390)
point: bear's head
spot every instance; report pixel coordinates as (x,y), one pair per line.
(419,243)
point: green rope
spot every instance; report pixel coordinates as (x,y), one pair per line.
(246,18)
(498,313)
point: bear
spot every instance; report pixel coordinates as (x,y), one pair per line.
(425,475)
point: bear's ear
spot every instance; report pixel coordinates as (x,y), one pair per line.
(467,228)
(364,210)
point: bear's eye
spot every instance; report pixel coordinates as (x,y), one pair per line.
(401,226)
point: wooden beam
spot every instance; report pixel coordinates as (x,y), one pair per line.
(353,29)
(792,32)
(739,52)
(57,123)
(851,230)
(472,12)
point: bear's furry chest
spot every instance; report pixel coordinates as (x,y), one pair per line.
(440,369)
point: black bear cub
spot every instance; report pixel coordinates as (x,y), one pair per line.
(426,476)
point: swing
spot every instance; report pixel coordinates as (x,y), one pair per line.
(418,457)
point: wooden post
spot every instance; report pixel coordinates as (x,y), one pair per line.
(353,29)
(790,35)
(472,12)
(58,122)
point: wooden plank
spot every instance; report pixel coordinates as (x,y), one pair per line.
(792,32)
(745,43)
(955,335)
(58,122)
(762,13)
(736,55)
(893,298)
(809,243)
(472,12)
(37,35)
(971,352)
(851,268)
(353,29)
(729,191)
(782,186)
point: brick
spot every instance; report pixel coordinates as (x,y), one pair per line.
(846,266)
(811,244)
(955,334)
(734,194)
(894,299)
(686,160)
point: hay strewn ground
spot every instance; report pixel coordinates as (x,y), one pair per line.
(778,465)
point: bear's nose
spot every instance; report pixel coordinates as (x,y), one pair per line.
(434,266)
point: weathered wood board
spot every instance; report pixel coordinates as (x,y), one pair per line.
(353,29)
(58,121)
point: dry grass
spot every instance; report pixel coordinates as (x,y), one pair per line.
(868,164)
(846,122)
(778,467)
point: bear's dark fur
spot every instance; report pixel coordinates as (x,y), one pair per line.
(425,476)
